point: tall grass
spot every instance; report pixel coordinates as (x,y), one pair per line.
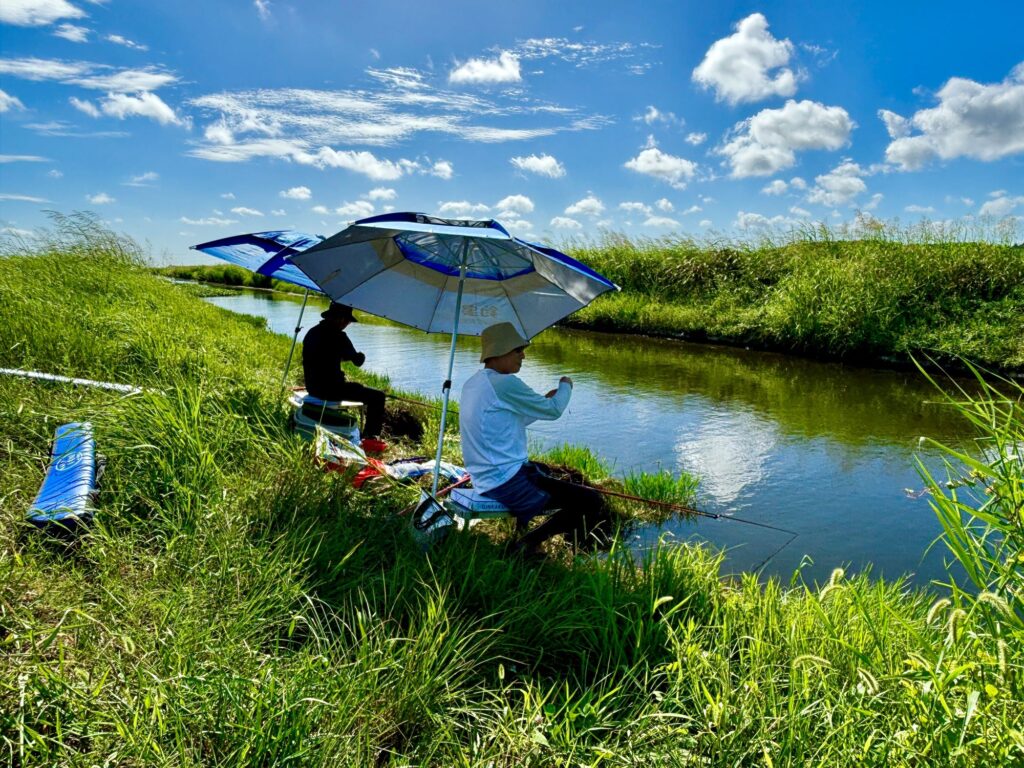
(877,291)
(235,606)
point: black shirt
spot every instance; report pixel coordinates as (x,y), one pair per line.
(324,349)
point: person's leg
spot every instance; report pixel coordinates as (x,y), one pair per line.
(373,399)
(580,511)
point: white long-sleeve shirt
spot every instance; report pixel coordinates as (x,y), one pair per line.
(494,412)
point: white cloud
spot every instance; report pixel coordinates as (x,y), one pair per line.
(589,206)
(462,209)
(518,225)
(504,69)
(362,162)
(768,141)
(740,67)
(23,198)
(777,187)
(542,165)
(228,195)
(696,139)
(661,165)
(665,205)
(209,221)
(896,126)
(143,179)
(635,207)
(359,209)
(704,223)
(801,212)
(149,105)
(279,212)
(37,13)
(839,186)
(321,209)
(660,221)
(758,221)
(692,209)
(442,169)
(563,222)
(243,211)
(100,198)
(919,209)
(797,183)
(296,193)
(982,122)
(55,174)
(23,159)
(514,204)
(85,106)
(263,9)
(654,115)
(8,102)
(71,32)
(873,203)
(381,193)
(100,77)
(119,40)
(1001,204)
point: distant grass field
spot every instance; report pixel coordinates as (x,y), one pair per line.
(233,605)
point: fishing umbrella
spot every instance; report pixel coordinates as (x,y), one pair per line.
(269,253)
(449,276)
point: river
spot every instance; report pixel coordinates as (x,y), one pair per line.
(821,449)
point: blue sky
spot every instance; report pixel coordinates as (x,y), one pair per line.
(183,122)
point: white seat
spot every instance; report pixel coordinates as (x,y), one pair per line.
(476,504)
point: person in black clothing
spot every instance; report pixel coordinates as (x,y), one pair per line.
(325,347)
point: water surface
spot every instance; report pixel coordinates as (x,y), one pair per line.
(822,449)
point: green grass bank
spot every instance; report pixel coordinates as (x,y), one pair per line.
(878,294)
(234,606)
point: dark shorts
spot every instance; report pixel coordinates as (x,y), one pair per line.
(522,494)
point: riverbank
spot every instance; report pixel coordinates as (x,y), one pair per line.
(234,605)
(881,299)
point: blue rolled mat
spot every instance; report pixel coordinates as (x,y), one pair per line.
(66,495)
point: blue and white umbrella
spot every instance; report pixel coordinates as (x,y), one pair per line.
(269,253)
(449,276)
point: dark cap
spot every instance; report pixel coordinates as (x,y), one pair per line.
(339,311)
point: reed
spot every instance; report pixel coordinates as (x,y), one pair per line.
(233,605)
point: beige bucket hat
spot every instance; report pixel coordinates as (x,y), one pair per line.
(498,339)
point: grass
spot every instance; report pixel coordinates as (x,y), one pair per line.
(234,606)
(874,293)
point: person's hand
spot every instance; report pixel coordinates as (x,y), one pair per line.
(359,359)
(565,380)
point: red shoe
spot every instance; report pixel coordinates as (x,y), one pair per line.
(371,445)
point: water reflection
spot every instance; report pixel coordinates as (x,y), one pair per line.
(819,448)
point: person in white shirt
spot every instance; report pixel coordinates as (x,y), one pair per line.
(495,408)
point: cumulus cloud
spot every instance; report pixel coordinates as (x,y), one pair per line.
(896,126)
(777,187)
(241,210)
(749,65)
(381,193)
(542,165)
(514,204)
(635,207)
(1001,204)
(677,171)
(100,198)
(85,106)
(358,209)
(757,221)
(564,222)
(462,209)
(839,186)
(660,221)
(692,209)
(37,13)
(142,179)
(362,162)
(279,212)
(982,122)
(665,205)
(71,32)
(8,102)
(801,212)
(919,209)
(296,193)
(121,105)
(767,142)
(321,209)
(589,206)
(654,115)
(442,169)
(696,139)
(504,69)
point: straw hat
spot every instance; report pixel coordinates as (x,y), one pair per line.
(340,311)
(498,339)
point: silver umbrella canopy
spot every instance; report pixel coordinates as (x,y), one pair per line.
(449,276)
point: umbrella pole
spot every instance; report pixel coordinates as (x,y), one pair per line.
(295,337)
(447,388)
